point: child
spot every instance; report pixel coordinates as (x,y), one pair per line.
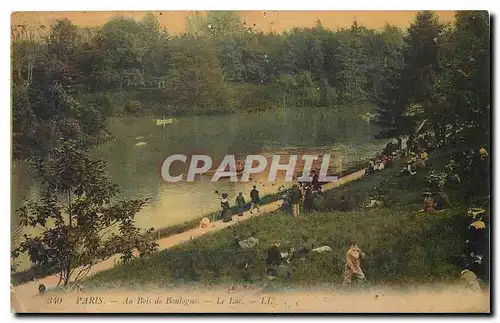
(353,265)
(429,203)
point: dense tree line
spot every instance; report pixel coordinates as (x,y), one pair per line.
(443,80)
(65,80)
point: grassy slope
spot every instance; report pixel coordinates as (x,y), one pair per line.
(401,246)
(28,275)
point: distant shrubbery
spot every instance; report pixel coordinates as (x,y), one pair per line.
(133,108)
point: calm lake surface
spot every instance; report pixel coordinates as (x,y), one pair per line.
(136,168)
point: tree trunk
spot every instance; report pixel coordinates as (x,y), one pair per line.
(68,264)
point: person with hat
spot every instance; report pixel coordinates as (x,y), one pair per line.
(225,213)
(240,203)
(424,156)
(371,167)
(254,200)
(483,153)
(308,199)
(316,185)
(410,164)
(442,200)
(273,260)
(478,233)
(285,204)
(429,203)
(353,265)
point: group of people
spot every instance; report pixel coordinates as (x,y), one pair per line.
(415,162)
(476,250)
(226,214)
(435,199)
(380,163)
(279,264)
(305,193)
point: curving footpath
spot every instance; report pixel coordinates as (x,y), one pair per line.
(30,289)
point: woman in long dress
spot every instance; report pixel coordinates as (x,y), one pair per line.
(225,213)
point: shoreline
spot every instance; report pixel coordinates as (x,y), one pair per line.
(30,288)
(28,275)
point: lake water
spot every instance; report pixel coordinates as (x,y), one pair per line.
(136,168)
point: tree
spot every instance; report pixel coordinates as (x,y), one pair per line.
(27,50)
(464,85)
(421,66)
(64,47)
(391,94)
(385,50)
(392,103)
(215,24)
(195,79)
(121,46)
(156,60)
(352,56)
(81,226)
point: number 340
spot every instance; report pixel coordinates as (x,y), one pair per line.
(54,300)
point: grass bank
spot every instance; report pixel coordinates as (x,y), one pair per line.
(402,247)
(30,274)
(269,198)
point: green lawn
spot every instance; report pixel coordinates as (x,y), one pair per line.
(401,245)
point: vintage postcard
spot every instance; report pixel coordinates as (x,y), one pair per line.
(250,162)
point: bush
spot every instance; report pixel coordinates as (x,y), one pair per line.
(133,108)
(102,103)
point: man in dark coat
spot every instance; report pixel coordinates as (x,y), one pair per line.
(254,200)
(240,203)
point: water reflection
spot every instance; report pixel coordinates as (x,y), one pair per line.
(136,169)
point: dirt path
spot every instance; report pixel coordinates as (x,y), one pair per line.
(30,289)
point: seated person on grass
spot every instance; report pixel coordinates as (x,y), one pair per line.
(442,200)
(410,166)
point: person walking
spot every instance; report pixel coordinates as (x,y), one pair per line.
(225,212)
(308,200)
(240,203)
(254,200)
(295,199)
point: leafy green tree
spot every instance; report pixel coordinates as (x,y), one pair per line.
(196,80)
(422,68)
(80,224)
(391,94)
(216,24)
(384,49)
(464,84)
(156,60)
(27,51)
(353,59)
(64,47)
(121,47)
(392,103)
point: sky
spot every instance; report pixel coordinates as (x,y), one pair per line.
(265,21)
